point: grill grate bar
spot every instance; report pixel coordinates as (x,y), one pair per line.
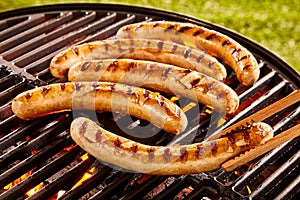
(42,28)
(81,190)
(39,175)
(266,167)
(60,42)
(26,147)
(15,29)
(141,189)
(291,190)
(279,175)
(30,61)
(16,135)
(29,163)
(121,179)
(44,37)
(109,31)
(64,182)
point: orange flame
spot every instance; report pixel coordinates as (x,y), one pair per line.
(60,193)
(18,180)
(248,189)
(85,177)
(84,156)
(35,189)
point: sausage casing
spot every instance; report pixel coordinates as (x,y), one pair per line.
(100,96)
(155,50)
(162,77)
(165,160)
(215,43)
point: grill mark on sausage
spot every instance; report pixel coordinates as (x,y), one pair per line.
(248,67)
(187,53)
(106,46)
(198,32)
(98,66)
(62,86)
(194,82)
(75,50)
(169,28)
(166,72)
(226,42)
(82,128)
(28,95)
(174,48)
(199,150)
(45,89)
(167,155)
(95,86)
(243,58)
(210,64)
(211,36)
(183,154)
(183,29)
(151,151)
(117,142)
(134,148)
(85,66)
(129,90)
(112,67)
(200,58)
(99,135)
(160,45)
(214,147)
(91,47)
(77,85)
(160,100)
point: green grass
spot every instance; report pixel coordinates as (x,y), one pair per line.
(273,24)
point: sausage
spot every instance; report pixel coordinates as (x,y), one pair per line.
(217,44)
(155,50)
(161,77)
(100,96)
(165,160)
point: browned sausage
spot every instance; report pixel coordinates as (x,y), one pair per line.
(155,50)
(100,96)
(160,77)
(165,160)
(215,43)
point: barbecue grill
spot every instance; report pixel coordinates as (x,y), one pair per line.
(39,160)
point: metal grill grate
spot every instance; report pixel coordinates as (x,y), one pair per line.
(44,150)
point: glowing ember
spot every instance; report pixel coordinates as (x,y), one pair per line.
(84,156)
(86,176)
(35,189)
(18,180)
(60,193)
(189,106)
(249,190)
(69,147)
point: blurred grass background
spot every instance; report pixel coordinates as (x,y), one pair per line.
(275,24)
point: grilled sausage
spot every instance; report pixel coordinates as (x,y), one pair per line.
(217,44)
(155,50)
(100,96)
(165,160)
(162,77)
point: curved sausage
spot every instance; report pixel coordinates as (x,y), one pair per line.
(100,96)
(217,44)
(154,50)
(165,160)
(162,77)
